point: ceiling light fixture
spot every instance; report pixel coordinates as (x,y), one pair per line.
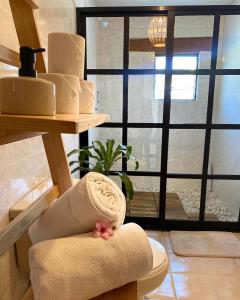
(157,31)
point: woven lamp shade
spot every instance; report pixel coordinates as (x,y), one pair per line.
(157,31)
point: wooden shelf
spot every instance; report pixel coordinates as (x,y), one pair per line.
(57,124)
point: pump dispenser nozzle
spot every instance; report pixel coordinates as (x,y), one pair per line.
(28,61)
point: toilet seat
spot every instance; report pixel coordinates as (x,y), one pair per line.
(160,268)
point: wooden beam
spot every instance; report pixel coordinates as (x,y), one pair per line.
(9,56)
(57,161)
(10,136)
(20,224)
(27,29)
(32,3)
(181,45)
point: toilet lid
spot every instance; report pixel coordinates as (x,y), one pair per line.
(159,254)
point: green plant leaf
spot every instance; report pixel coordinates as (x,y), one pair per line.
(99,167)
(73,162)
(102,148)
(136,165)
(127,183)
(74,151)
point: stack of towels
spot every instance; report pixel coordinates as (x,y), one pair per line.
(66,59)
(68,262)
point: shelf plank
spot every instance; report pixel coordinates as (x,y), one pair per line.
(57,124)
(11,136)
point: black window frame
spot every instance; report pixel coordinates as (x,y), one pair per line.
(171,11)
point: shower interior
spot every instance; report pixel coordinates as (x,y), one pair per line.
(202,146)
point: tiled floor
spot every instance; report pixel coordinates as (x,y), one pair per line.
(195,278)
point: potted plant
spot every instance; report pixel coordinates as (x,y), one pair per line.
(103,158)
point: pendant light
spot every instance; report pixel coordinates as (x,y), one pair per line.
(157,31)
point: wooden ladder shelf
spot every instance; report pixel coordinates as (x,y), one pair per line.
(16,128)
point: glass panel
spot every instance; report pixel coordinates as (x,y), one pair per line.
(102,134)
(193,106)
(223,201)
(186,147)
(183,86)
(146,198)
(183,199)
(105,43)
(142,105)
(224,152)
(228,49)
(109,95)
(227,100)
(193,34)
(146,143)
(142,53)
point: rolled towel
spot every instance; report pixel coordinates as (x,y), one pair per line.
(66,54)
(86,97)
(94,198)
(82,267)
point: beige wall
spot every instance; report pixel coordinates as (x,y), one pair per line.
(23,164)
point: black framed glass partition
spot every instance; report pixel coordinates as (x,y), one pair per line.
(178,107)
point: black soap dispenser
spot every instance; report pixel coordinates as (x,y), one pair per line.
(28,61)
(25,94)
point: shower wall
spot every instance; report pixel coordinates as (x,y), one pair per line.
(186,146)
(226,143)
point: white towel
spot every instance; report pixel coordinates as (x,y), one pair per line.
(82,267)
(95,198)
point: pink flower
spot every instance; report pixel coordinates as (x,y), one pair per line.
(103,229)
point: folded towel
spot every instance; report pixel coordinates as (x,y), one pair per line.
(82,267)
(94,198)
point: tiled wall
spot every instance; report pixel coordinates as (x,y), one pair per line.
(226,143)
(23,164)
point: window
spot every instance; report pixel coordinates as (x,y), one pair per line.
(183,86)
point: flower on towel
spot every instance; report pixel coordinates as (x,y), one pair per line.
(103,229)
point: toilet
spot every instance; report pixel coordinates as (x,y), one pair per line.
(160,268)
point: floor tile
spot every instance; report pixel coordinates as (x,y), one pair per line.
(165,291)
(193,287)
(162,237)
(237,235)
(201,265)
(226,287)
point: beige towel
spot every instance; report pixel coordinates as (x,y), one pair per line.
(82,267)
(95,197)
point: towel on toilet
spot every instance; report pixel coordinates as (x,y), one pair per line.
(94,198)
(82,267)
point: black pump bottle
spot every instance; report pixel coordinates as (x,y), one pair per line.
(28,61)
